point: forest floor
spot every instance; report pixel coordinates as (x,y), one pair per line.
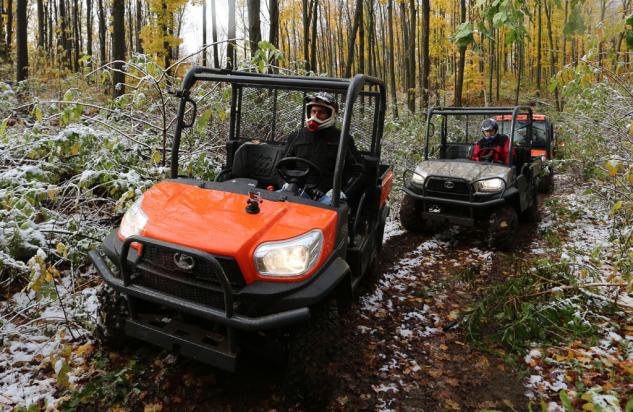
(401,346)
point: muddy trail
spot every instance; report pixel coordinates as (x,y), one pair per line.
(400,346)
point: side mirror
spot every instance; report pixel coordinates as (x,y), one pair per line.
(190,113)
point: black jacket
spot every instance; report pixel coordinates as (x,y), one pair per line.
(321,148)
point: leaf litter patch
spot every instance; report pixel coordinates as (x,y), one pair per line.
(590,373)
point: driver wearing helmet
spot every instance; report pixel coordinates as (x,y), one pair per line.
(492,146)
(318,142)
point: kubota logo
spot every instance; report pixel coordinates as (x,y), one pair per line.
(449,185)
(184,262)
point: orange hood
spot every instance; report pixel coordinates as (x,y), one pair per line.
(217,222)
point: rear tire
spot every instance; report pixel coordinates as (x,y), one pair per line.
(504,224)
(546,184)
(411,215)
(111,316)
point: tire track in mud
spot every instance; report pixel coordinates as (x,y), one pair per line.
(405,354)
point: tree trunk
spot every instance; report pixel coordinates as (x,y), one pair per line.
(352,37)
(138,26)
(165,24)
(254,30)
(491,65)
(361,41)
(204,32)
(426,62)
(538,47)
(102,32)
(459,82)
(9,11)
(214,36)
(305,18)
(3,50)
(552,56)
(273,33)
(411,58)
(118,46)
(313,44)
(75,39)
(392,71)
(22,51)
(41,24)
(403,51)
(231,56)
(519,53)
(130,27)
(564,59)
(89,24)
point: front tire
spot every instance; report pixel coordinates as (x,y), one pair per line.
(411,215)
(111,315)
(504,224)
(530,215)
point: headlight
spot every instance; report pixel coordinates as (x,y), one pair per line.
(292,257)
(490,185)
(419,176)
(133,221)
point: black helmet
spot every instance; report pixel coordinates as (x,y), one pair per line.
(489,124)
(322,99)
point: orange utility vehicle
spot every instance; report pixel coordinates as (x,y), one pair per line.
(543,142)
(200,267)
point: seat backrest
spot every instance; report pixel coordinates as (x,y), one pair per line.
(521,156)
(258,161)
(459,151)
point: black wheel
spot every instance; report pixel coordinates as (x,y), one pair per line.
(530,215)
(546,184)
(503,228)
(111,316)
(310,349)
(410,215)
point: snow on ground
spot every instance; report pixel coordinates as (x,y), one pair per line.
(35,339)
(584,247)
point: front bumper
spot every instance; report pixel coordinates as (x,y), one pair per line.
(457,211)
(259,306)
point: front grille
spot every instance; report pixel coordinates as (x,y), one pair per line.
(157,270)
(447,188)
(184,290)
(203,272)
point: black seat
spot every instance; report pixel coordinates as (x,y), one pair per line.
(522,155)
(258,161)
(459,151)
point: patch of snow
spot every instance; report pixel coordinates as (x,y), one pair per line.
(385,388)
(533,354)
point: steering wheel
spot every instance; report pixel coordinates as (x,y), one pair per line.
(487,154)
(298,170)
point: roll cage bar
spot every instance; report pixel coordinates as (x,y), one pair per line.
(352,87)
(478,111)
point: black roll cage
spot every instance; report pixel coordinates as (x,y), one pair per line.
(353,88)
(479,111)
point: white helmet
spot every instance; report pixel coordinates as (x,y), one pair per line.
(322,99)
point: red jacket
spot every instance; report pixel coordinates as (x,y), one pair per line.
(500,144)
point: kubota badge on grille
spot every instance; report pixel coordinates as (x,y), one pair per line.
(184,262)
(449,185)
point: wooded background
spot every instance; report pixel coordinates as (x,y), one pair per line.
(429,52)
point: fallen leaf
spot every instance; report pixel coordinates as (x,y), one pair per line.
(342,400)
